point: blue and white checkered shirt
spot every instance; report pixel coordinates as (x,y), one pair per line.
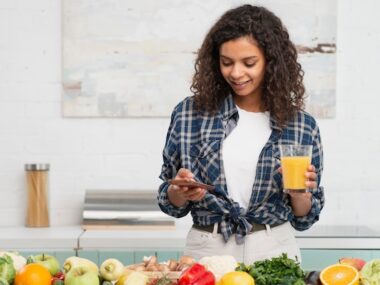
(194,141)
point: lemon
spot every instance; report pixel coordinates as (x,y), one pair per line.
(236,278)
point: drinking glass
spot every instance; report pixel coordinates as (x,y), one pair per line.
(295,160)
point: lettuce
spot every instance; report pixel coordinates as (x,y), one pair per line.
(370,273)
(18,260)
(7,270)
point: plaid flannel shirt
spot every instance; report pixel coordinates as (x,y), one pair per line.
(194,141)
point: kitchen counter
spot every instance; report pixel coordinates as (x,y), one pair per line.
(60,238)
(320,246)
(339,237)
(52,238)
(138,240)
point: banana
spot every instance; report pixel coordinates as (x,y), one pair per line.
(75,261)
(111,269)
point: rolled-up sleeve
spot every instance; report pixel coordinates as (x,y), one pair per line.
(318,197)
(171,164)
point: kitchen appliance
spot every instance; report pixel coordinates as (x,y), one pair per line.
(124,209)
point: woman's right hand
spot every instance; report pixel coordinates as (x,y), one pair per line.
(180,195)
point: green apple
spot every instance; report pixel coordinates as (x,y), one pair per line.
(81,275)
(49,262)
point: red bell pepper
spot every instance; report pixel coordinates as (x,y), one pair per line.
(197,274)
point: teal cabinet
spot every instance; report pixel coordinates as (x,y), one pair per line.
(60,255)
(317,259)
(92,255)
(128,257)
(163,256)
(312,259)
(63,255)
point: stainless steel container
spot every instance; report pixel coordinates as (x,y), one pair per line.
(124,209)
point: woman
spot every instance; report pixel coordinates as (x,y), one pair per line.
(248,100)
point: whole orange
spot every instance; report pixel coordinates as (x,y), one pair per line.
(236,278)
(33,274)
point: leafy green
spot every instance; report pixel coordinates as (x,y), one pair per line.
(370,273)
(7,270)
(276,271)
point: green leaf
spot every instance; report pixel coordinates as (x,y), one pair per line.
(279,270)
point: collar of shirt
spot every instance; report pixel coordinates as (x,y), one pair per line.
(229,111)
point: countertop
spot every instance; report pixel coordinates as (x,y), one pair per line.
(339,237)
(73,237)
(52,238)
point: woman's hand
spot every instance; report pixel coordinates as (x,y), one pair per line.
(179,195)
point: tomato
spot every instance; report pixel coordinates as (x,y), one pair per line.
(33,274)
(237,278)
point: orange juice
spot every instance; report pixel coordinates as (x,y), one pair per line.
(293,171)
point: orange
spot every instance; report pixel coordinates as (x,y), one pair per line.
(236,278)
(33,274)
(340,274)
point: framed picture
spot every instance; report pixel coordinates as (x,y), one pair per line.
(135,58)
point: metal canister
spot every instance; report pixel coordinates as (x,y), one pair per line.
(37,184)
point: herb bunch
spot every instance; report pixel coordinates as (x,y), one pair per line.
(276,271)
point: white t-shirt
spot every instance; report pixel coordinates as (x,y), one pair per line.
(241,150)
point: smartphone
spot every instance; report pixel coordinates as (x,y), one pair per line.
(190,183)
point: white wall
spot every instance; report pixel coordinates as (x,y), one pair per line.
(126,153)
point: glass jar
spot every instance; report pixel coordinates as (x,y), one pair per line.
(37,212)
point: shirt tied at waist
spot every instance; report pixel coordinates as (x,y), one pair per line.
(232,220)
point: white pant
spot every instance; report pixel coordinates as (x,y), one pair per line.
(259,245)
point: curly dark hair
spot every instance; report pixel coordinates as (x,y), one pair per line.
(283,89)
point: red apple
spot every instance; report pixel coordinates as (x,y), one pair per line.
(358,263)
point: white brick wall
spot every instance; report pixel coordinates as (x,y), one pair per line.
(126,153)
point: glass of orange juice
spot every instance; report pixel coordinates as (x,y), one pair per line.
(295,160)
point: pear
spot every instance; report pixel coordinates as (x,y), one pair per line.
(111,269)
